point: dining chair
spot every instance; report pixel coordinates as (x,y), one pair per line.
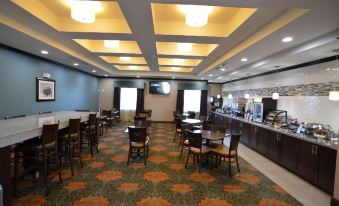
(140,118)
(109,117)
(14,117)
(196,149)
(230,154)
(71,143)
(44,150)
(178,131)
(138,140)
(184,139)
(89,134)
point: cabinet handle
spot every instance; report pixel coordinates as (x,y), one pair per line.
(312,149)
(316,150)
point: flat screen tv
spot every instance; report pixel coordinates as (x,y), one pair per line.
(159,87)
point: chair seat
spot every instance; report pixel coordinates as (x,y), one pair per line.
(223,151)
(204,150)
(33,147)
(73,137)
(140,144)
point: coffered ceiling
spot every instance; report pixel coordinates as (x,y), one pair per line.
(190,39)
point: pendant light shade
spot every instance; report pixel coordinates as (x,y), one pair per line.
(275,96)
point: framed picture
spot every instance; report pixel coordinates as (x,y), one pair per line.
(45,89)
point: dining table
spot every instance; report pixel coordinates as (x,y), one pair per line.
(18,130)
(212,135)
(192,121)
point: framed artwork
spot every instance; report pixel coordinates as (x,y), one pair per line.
(45,89)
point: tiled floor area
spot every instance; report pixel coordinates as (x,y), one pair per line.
(300,189)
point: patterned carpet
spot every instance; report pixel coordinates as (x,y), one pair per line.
(107,180)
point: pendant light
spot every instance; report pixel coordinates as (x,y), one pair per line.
(334,95)
(196,15)
(84,11)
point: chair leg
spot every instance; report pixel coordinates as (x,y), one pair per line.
(129,155)
(45,173)
(199,162)
(188,156)
(230,167)
(144,155)
(70,157)
(182,149)
(236,158)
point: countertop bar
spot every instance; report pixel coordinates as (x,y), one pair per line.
(283,131)
(13,131)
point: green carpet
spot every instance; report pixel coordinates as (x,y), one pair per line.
(107,180)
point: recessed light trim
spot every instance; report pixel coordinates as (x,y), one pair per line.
(106,75)
(223,69)
(138,76)
(211,75)
(44,52)
(76,64)
(287,39)
(94,71)
(244,59)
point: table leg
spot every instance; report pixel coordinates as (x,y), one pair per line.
(5,174)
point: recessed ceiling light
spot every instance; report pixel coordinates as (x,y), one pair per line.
(244,59)
(44,52)
(106,75)
(125,58)
(138,76)
(210,75)
(133,67)
(287,39)
(112,44)
(94,71)
(76,64)
(223,69)
(184,47)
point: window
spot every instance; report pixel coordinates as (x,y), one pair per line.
(192,100)
(128,99)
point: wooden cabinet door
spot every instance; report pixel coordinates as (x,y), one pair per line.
(305,160)
(246,133)
(325,168)
(262,145)
(273,145)
(288,152)
(253,137)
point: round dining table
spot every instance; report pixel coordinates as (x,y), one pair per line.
(211,135)
(192,121)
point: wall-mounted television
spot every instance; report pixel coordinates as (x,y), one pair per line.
(159,87)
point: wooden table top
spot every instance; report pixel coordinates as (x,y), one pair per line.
(192,121)
(211,135)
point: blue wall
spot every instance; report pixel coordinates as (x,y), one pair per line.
(18,72)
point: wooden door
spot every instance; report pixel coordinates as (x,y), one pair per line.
(305,160)
(288,152)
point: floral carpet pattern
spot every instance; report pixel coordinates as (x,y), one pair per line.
(164,181)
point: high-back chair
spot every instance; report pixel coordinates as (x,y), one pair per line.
(89,137)
(196,148)
(185,128)
(45,150)
(71,142)
(138,141)
(230,154)
(178,131)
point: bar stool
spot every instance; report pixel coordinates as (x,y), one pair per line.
(71,143)
(89,134)
(46,149)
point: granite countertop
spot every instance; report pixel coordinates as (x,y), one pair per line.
(288,132)
(16,130)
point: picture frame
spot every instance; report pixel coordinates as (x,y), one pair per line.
(45,89)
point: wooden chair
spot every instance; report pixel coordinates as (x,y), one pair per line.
(196,148)
(184,140)
(46,149)
(89,134)
(71,143)
(138,140)
(109,117)
(48,112)
(140,118)
(116,115)
(178,131)
(230,154)
(13,117)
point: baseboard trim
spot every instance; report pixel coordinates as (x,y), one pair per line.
(334,202)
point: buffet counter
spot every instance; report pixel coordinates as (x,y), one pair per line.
(313,160)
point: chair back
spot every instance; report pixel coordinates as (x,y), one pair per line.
(138,118)
(107,113)
(143,114)
(140,123)
(13,117)
(137,134)
(82,110)
(195,139)
(49,136)
(235,138)
(206,124)
(184,129)
(177,123)
(92,119)
(191,114)
(74,126)
(48,112)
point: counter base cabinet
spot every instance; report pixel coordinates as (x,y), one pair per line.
(310,161)
(305,160)
(325,168)
(288,152)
